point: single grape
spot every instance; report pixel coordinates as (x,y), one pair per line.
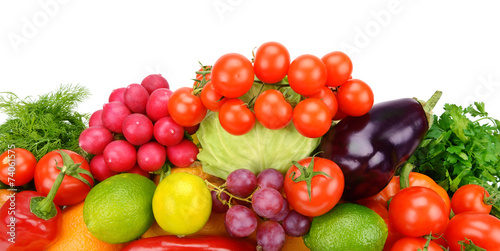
(267,202)
(270,236)
(241,182)
(270,178)
(217,205)
(240,221)
(285,209)
(296,224)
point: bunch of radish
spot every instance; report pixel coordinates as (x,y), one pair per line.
(135,133)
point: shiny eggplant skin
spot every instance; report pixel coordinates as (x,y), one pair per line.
(370,148)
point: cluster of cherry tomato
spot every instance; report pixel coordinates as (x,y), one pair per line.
(423,209)
(325,86)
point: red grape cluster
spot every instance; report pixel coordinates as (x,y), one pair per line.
(258,196)
(135,133)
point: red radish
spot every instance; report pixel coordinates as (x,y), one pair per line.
(167,132)
(137,129)
(113,114)
(136,97)
(157,105)
(120,156)
(182,154)
(153,82)
(94,139)
(117,95)
(192,129)
(96,119)
(137,170)
(99,169)
(151,156)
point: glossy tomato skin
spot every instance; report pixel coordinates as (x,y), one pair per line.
(185,108)
(418,211)
(271,62)
(482,229)
(326,95)
(235,117)
(24,163)
(72,190)
(311,117)
(272,110)
(232,75)
(338,66)
(470,198)
(306,74)
(210,98)
(31,232)
(412,244)
(355,98)
(325,191)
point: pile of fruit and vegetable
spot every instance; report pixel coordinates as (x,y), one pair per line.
(266,153)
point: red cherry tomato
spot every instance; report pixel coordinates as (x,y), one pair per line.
(413,244)
(311,118)
(355,97)
(272,110)
(72,190)
(338,67)
(235,117)
(185,108)
(418,211)
(482,229)
(17,167)
(307,74)
(325,191)
(470,198)
(326,95)
(271,62)
(232,75)
(210,98)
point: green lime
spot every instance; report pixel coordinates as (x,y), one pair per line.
(182,203)
(347,227)
(119,209)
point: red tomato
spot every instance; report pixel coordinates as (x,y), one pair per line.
(185,108)
(470,198)
(326,95)
(325,191)
(413,244)
(416,179)
(72,190)
(338,67)
(306,74)
(17,167)
(418,211)
(235,117)
(482,229)
(210,98)
(232,75)
(311,118)
(272,110)
(271,62)
(355,97)
(392,235)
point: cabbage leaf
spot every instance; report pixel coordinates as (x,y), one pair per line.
(257,150)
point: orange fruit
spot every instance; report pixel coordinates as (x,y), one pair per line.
(5,196)
(294,244)
(74,235)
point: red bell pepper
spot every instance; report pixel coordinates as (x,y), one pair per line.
(29,221)
(199,243)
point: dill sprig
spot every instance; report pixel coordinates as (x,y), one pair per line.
(44,124)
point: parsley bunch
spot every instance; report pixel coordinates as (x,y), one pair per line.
(47,123)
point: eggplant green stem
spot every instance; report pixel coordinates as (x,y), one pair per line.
(429,105)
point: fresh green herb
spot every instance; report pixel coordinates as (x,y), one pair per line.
(44,124)
(461,147)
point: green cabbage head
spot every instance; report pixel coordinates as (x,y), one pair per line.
(257,150)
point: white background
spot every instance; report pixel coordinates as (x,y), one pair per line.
(401,48)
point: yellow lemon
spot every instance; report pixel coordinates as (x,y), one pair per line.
(182,203)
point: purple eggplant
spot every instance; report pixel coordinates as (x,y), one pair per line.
(370,148)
